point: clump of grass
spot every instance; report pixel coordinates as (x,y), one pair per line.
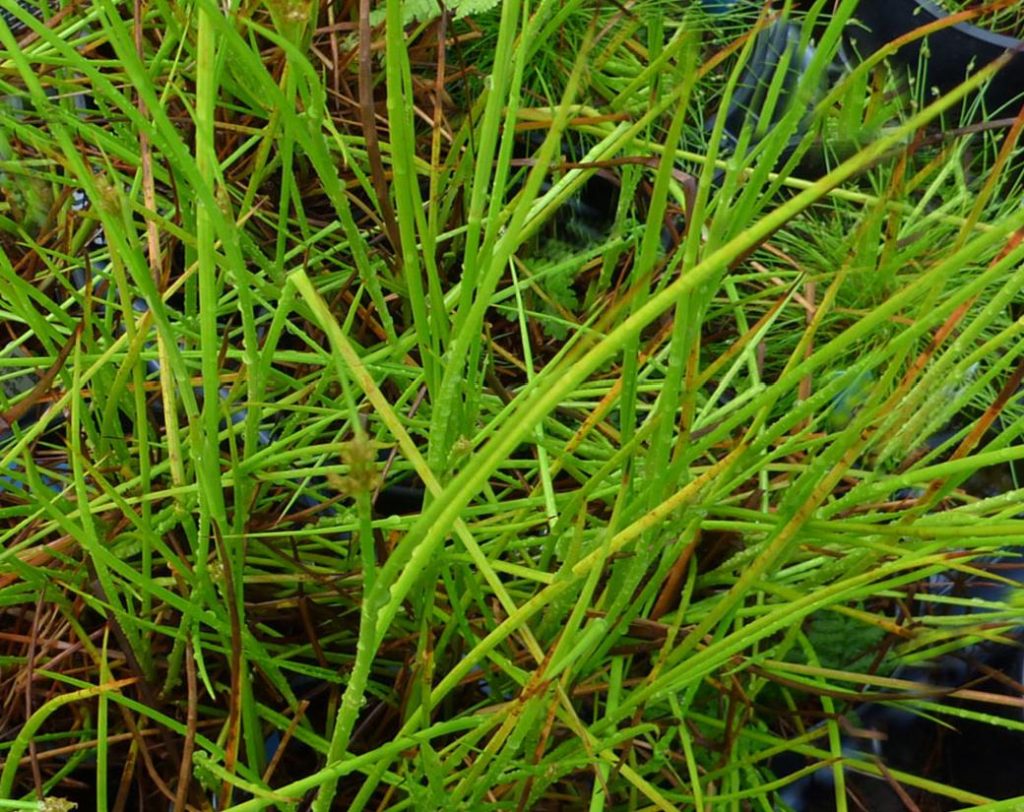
(334,483)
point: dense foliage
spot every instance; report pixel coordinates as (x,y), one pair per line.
(435,411)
